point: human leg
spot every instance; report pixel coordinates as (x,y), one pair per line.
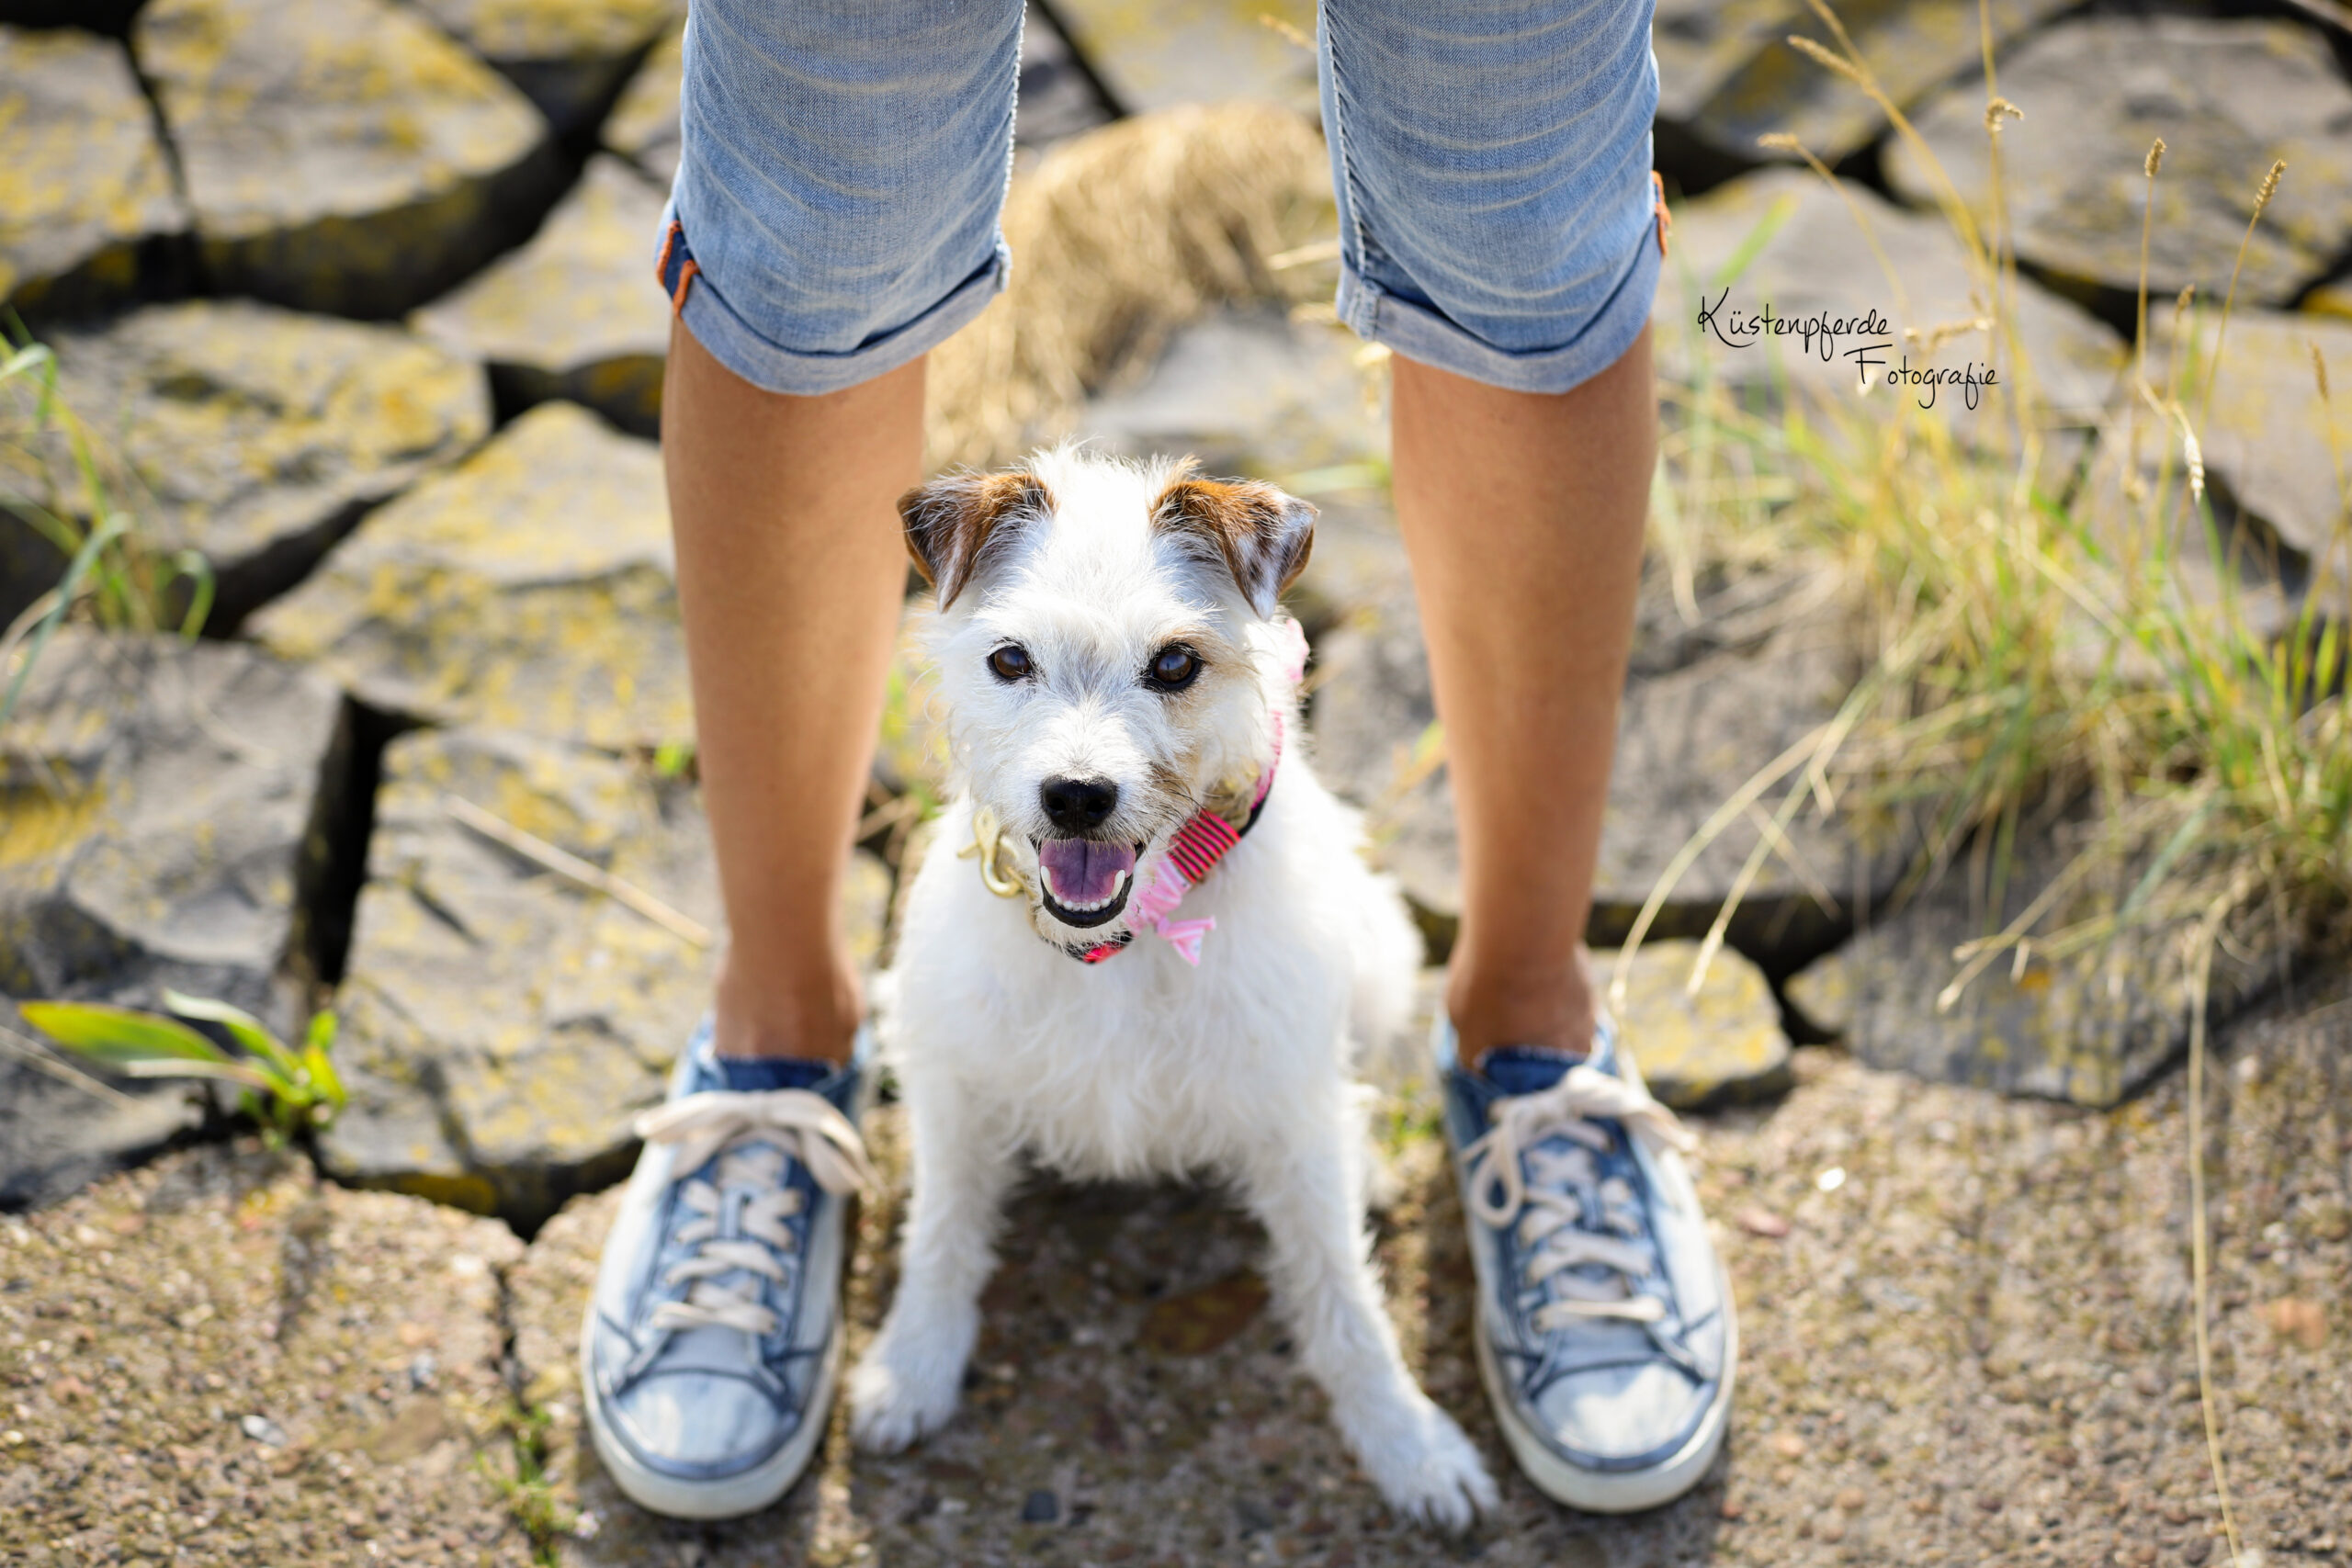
(790,569)
(834,215)
(1499,232)
(1523,514)
(834,218)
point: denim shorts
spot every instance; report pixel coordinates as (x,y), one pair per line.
(844,162)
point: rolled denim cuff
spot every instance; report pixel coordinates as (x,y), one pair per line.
(771,367)
(1428,337)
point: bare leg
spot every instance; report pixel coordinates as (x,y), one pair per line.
(1523,517)
(789,576)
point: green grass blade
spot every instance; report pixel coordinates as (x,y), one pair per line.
(119,1036)
(100,537)
(242,1027)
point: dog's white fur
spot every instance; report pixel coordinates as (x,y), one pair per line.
(1140,1066)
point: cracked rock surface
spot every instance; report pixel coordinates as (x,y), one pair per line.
(83,177)
(571,315)
(527,588)
(502,1025)
(2227,97)
(340,154)
(258,435)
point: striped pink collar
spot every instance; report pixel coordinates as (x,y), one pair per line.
(1192,854)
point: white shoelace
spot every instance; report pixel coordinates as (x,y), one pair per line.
(784,1123)
(1548,1217)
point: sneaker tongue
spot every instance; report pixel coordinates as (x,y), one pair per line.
(1525,1069)
(1080,871)
(758,1074)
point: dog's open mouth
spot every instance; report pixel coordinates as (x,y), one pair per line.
(1085,883)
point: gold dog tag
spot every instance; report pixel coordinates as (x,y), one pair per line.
(987,842)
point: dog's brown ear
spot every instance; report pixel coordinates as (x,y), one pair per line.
(1262,534)
(953,520)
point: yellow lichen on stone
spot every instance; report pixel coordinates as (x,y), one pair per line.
(1823,992)
(577,313)
(287,110)
(552,30)
(527,588)
(339,154)
(44,822)
(1725,1043)
(82,174)
(240,425)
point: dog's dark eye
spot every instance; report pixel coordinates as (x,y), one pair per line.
(1010,662)
(1173,668)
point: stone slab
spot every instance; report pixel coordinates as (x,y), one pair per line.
(1912,48)
(2284,451)
(576,313)
(341,155)
(217,1361)
(168,810)
(84,185)
(568,56)
(1195,51)
(257,435)
(1688,739)
(2091,1028)
(166,807)
(1254,393)
(1057,99)
(1820,256)
(2227,97)
(502,1026)
(643,126)
(1721,1046)
(527,588)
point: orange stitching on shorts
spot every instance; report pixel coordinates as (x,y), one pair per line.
(686,281)
(669,243)
(1664,219)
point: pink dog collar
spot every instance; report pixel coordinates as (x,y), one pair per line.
(1192,854)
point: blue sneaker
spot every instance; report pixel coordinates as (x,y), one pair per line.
(711,1347)
(1604,1324)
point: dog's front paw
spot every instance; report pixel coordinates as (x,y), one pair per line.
(1424,1465)
(907,1385)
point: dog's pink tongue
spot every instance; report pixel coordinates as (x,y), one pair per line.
(1079,871)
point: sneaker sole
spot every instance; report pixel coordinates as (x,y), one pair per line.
(731,1496)
(1614,1490)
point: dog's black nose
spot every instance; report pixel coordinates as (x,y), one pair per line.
(1077,805)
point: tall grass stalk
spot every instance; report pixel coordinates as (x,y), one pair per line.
(116,574)
(2047,652)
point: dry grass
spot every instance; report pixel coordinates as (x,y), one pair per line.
(1118,237)
(2094,649)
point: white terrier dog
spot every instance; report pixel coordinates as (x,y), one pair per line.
(1119,684)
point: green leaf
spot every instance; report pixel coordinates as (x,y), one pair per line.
(323,1077)
(119,1036)
(242,1027)
(244,1073)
